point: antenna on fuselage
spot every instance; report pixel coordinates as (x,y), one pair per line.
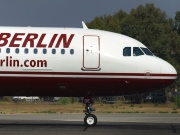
(84,25)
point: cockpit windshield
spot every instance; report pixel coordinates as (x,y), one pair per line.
(137,51)
(147,51)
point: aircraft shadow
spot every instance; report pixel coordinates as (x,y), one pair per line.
(101,126)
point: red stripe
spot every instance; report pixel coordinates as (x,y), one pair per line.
(84,73)
(79,87)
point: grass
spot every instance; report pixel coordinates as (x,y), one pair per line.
(49,108)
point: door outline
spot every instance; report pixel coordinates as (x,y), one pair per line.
(84,68)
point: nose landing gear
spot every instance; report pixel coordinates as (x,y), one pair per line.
(90,119)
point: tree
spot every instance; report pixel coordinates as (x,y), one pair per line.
(177,22)
(149,25)
(109,23)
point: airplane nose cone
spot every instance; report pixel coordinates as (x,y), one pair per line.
(167,68)
(168,74)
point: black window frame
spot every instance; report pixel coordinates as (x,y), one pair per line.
(44,51)
(53,51)
(26,50)
(137,53)
(71,51)
(63,51)
(17,50)
(35,51)
(8,50)
(147,51)
(126,52)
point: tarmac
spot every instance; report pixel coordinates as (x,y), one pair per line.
(108,124)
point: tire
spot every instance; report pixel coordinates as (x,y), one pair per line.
(90,120)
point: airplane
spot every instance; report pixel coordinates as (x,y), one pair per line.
(78,62)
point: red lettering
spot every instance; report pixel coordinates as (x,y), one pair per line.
(15,63)
(32,63)
(1,62)
(41,63)
(66,42)
(25,63)
(15,38)
(10,61)
(7,61)
(30,38)
(52,40)
(4,37)
(39,44)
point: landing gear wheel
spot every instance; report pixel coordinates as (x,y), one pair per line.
(90,120)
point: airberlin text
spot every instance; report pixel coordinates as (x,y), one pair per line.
(10,62)
(34,40)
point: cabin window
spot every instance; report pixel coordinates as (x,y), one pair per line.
(17,50)
(137,51)
(44,51)
(72,51)
(147,51)
(127,51)
(8,50)
(53,51)
(62,51)
(26,50)
(0,50)
(35,51)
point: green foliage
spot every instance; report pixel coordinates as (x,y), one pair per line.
(65,100)
(178,102)
(177,22)
(109,23)
(149,25)
(7,99)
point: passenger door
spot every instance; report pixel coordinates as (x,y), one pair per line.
(91,52)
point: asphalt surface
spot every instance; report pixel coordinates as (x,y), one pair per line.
(108,124)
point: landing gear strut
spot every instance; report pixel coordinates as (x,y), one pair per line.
(89,119)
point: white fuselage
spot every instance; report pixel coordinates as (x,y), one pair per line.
(77,62)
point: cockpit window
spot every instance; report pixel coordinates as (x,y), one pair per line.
(147,51)
(137,51)
(127,51)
